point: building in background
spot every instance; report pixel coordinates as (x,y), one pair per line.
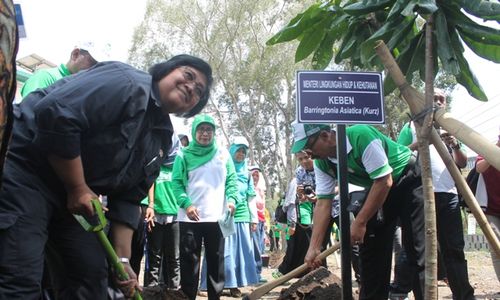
(25,67)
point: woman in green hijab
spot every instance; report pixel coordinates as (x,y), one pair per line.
(205,185)
(239,259)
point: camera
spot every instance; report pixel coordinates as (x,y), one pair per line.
(308,190)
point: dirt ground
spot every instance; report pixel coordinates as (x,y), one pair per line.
(481,275)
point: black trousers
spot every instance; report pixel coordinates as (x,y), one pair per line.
(192,236)
(163,256)
(296,249)
(451,251)
(28,212)
(405,200)
(451,243)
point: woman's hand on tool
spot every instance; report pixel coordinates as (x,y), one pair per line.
(129,286)
(79,200)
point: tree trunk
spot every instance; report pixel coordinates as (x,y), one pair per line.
(8,52)
(464,133)
(424,132)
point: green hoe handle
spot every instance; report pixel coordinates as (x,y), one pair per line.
(113,259)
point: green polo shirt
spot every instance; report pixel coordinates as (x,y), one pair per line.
(370,155)
(43,78)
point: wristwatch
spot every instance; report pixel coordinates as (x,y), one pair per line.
(124,260)
(456,147)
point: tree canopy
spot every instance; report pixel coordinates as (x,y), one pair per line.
(350,29)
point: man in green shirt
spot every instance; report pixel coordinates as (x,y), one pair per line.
(80,59)
(389,171)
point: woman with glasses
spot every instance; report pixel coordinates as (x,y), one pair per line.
(204,184)
(239,260)
(103,131)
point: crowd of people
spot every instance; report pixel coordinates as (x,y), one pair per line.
(196,211)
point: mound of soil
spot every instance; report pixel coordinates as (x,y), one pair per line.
(318,284)
(161,293)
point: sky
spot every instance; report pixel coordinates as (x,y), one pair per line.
(484,117)
(53,27)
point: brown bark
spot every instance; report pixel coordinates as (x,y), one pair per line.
(8,51)
(430,291)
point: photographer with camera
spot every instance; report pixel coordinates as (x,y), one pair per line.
(298,205)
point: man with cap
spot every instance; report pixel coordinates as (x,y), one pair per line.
(82,57)
(389,171)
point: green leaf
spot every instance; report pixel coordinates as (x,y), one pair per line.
(382,33)
(340,20)
(397,8)
(420,6)
(445,52)
(411,59)
(367,6)
(361,34)
(487,10)
(480,33)
(347,48)
(345,40)
(404,32)
(489,52)
(477,32)
(311,40)
(297,25)
(408,10)
(324,53)
(426,6)
(466,77)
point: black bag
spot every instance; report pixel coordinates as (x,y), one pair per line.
(356,201)
(471,179)
(280,215)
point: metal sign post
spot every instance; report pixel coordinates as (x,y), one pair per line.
(341,98)
(345,220)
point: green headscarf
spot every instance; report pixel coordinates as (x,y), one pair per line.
(240,167)
(196,155)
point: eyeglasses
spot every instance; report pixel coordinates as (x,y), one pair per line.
(309,144)
(202,130)
(190,76)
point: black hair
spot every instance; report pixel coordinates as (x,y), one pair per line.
(160,70)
